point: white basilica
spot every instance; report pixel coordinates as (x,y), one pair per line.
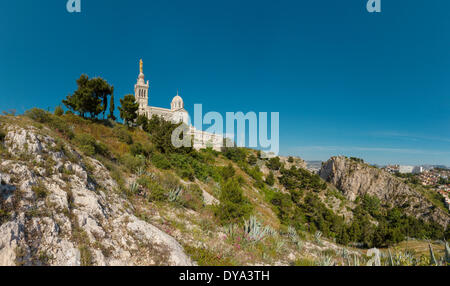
(175,114)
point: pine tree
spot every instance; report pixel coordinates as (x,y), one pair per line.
(128,109)
(88,98)
(270,180)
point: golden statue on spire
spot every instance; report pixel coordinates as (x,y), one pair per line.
(141,66)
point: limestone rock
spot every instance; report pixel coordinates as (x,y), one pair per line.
(356,179)
(71,216)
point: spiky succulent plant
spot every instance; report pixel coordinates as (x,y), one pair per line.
(253,229)
(293,236)
(134,187)
(318,237)
(326,260)
(433,260)
(140,171)
(447,253)
(175,194)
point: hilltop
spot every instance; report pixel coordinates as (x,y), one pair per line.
(95,192)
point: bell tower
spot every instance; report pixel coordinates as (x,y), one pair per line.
(141,89)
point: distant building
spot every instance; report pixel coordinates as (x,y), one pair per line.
(418,170)
(406,169)
(392,169)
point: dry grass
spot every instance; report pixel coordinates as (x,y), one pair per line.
(419,247)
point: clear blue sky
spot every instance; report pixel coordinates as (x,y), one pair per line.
(376,86)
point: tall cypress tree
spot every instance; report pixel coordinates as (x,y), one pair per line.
(112,106)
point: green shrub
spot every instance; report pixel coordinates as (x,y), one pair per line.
(255,173)
(40,191)
(89,145)
(133,163)
(252,160)
(304,262)
(210,152)
(160,161)
(270,180)
(284,207)
(358,160)
(59,111)
(157,193)
(86,257)
(227,172)
(60,125)
(123,134)
(192,197)
(137,149)
(274,164)
(234,206)
(2,136)
(205,257)
(297,178)
(4,216)
(38,115)
(235,154)
(183,164)
(161,136)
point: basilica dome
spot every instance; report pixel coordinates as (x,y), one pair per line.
(177,103)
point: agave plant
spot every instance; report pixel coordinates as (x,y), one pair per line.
(355,260)
(279,244)
(391,259)
(325,260)
(292,233)
(318,237)
(447,253)
(140,171)
(175,194)
(345,256)
(401,259)
(230,230)
(151,175)
(433,260)
(271,231)
(134,187)
(254,230)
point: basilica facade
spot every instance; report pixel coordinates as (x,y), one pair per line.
(176,114)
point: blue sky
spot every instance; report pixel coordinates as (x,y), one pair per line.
(345,81)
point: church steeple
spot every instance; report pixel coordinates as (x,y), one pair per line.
(141,89)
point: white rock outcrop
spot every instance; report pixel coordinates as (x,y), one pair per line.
(56,212)
(355,179)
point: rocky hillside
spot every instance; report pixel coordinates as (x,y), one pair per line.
(356,179)
(54,211)
(77,191)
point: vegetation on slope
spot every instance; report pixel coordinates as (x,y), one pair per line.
(266,209)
